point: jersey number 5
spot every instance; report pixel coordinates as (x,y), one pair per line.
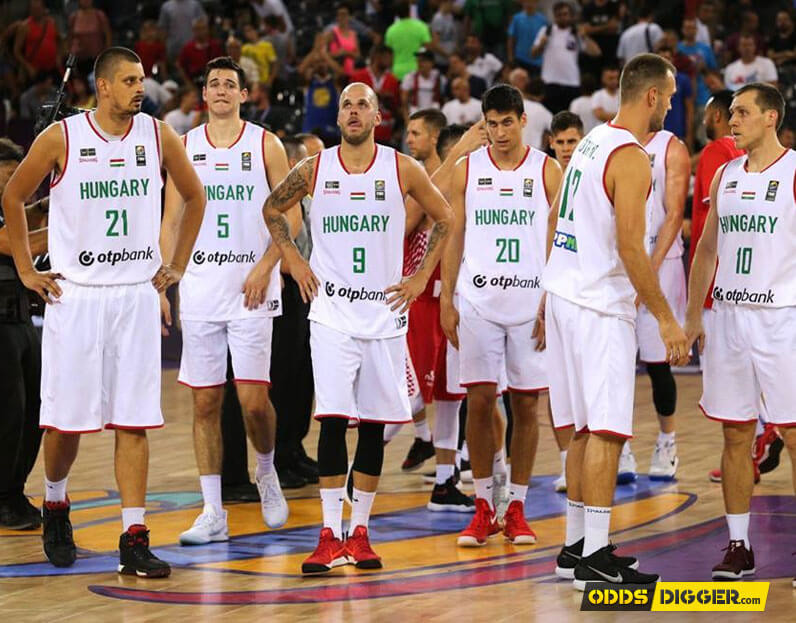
(573,175)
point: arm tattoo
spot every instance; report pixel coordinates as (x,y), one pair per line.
(284,196)
(438,232)
(279,228)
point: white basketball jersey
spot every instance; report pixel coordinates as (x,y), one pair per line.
(104,221)
(233,236)
(584,266)
(757,234)
(657,148)
(357,223)
(504,239)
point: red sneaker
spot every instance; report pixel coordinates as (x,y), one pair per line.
(483,525)
(715,474)
(767,449)
(360,551)
(331,552)
(515,528)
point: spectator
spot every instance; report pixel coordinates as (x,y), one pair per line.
(782,46)
(235,52)
(750,67)
(406,36)
(186,116)
(642,37)
(682,62)
(377,76)
(714,81)
(487,20)
(37,47)
(343,41)
(151,49)
(559,45)
(163,96)
(31,100)
(258,109)
(198,52)
(266,8)
(464,109)
(458,69)
(522,32)
(786,136)
(581,106)
(701,56)
(605,102)
(750,26)
(444,33)
(89,34)
(80,96)
(176,20)
(262,53)
(602,19)
(566,130)
(706,17)
(485,65)
(320,103)
(538,118)
(283,44)
(423,87)
(680,118)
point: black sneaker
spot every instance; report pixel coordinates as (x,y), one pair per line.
(243,492)
(289,479)
(17,513)
(306,471)
(418,454)
(448,498)
(33,512)
(602,566)
(135,557)
(59,544)
(430,478)
(570,556)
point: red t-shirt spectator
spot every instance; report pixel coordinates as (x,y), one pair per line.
(41,44)
(194,56)
(389,91)
(715,154)
(151,52)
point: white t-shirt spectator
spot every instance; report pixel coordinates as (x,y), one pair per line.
(445,26)
(581,106)
(161,94)
(180,121)
(637,39)
(486,67)
(703,33)
(464,113)
(539,119)
(560,56)
(738,73)
(603,99)
(422,90)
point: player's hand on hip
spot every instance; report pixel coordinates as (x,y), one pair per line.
(676,342)
(43,284)
(255,287)
(167,275)
(402,295)
(695,332)
(449,320)
(307,281)
(165,314)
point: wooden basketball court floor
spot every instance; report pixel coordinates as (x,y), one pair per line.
(676,529)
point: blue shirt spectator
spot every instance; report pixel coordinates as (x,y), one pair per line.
(676,119)
(522,33)
(702,56)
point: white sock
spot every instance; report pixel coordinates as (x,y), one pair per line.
(211,491)
(391,430)
(443,473)
(361,503)
(759,427)
(55,491)
(575,519)
(332,506)
(422,430)
(563,455)
(739,528)
(483,489)
(626,448)
(517,493)
(665,438)
(132,515)
(458,460)
(596,524)
(499,463)
(465,452)
(265,463)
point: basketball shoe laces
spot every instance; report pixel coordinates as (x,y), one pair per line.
(273,494)
(140,543)
(359,545)
(482,520)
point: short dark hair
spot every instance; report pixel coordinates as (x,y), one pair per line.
(503,98)
(536,87)
(105,64)
(562,4)
(293,146)
(432,118)
(721,101)
(225,62)
(448,136)
(767,97)
(10,151)
(642,72)
(565,120)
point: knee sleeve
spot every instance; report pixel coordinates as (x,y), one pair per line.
(664,389)
(332,452)
(369,456)
(446,424)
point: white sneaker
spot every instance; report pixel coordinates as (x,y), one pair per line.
(627,467)
(272,501)
(500,495)
(209,527)
(663,465)
(560,484)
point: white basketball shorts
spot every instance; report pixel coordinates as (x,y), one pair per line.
(359,379)
(672,279)
(591,360)
(101,359)
(749,351)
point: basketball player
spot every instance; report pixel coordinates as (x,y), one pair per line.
(597,264)
(500,195)
(101,343)
(358,315)
(671,172)
(749,338)
(230,293)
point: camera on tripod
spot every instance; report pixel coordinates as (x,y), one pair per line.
(55,110)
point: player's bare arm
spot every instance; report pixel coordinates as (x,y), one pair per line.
(36,216)
(190,188)
(678,173)
(296,185)
(452,258)
(703,269)
(418,185)
(169,226)
(47,153)
(629,195)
